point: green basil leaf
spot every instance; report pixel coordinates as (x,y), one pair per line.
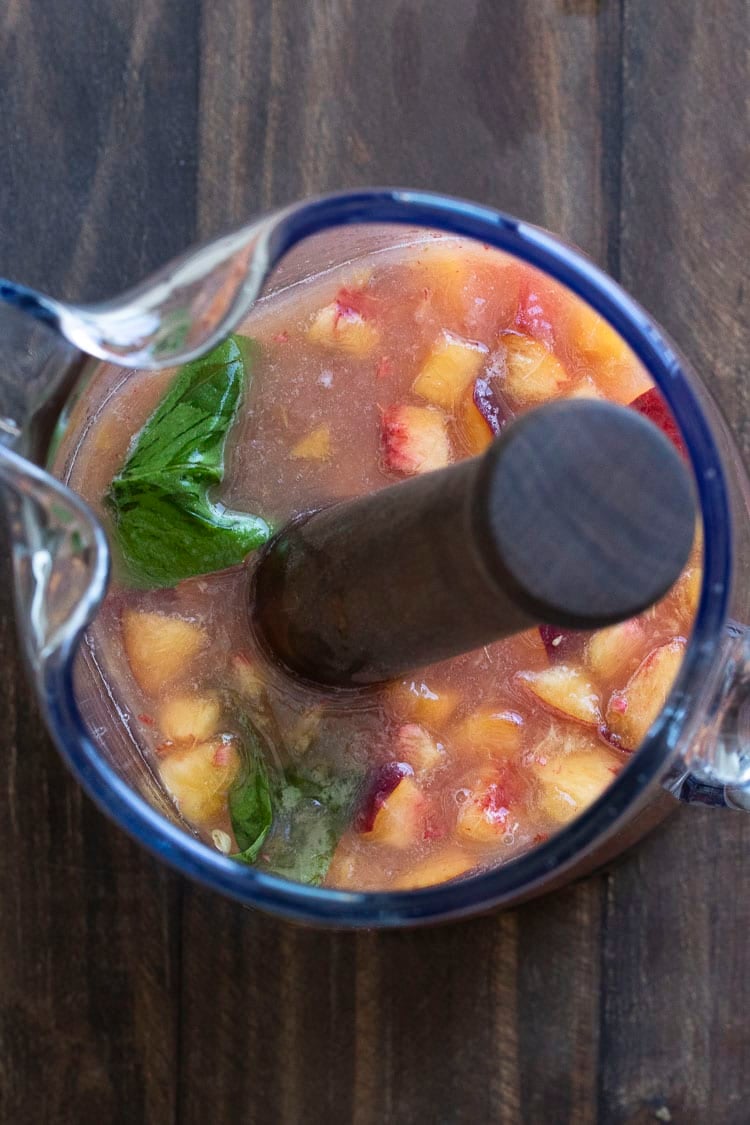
(311,809)
(166,526)
(250,804)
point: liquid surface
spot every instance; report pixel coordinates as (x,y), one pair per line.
(398,364)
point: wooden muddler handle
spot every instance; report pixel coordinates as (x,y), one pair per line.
(580,514)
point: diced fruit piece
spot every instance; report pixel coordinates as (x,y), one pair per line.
(315,446)
(342,327)
(447,864)
(609,651)
(414,439)
(453,363)
(571,782)
(586,388)
(416,700)
(415,745)
(159,648)
(532,374)
(474,432)
(622,380)
(496,733)
(393,811)
(536,311)
(687,593)
(631,712)
(566,690)
(189,718)
(560,644)
(617,372)
(304,730)
(246,677)
(595,337)
(490,403)
(563,738)
(486,813)
(198,777)
(652,405)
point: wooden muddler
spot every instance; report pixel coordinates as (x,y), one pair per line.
(580,514)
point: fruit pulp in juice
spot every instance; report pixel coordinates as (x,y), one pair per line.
(398,364)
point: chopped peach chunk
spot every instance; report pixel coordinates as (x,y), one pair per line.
(416,700)
(415,745)
(315,446)
(448,864)
(452,365)
(489,732)
(570,783)
(687,593)
(631,712)
(594,336)
(400,816)
(159,648)
(586,388)
(532,373)
(566,690)
(246,678)
(616,370)
(473,428)
(198,778)
(304,731)
(340,327)
(609,651)
(485,815)
(190,718)
(414,439)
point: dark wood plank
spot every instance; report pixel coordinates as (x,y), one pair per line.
(676,982)
(98,141)
(126,129)
(495,1020)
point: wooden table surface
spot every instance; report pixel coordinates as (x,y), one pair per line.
(129,128)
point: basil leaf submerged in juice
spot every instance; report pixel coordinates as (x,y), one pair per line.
(389,367)
(165,524)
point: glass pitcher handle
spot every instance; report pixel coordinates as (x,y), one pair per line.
(59,552)
(60,561)
(716,764)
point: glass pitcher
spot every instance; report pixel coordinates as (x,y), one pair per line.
(698,749)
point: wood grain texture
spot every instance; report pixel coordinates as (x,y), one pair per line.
(129,127)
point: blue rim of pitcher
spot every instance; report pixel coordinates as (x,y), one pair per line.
(523,874)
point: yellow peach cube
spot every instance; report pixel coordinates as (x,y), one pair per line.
(315,446)
(416,746)
(416,700)
(414,439)
(450,863)
(485,815)
(572,782)
(631,712)
(609,651)
(189,718)
(245,677)
(566,690)
(338,327)
(452,365)
(399,821)
(199,778)
(159,648)
(532,373)
(472,426)
(495,733)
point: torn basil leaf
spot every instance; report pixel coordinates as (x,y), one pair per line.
(165,524)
